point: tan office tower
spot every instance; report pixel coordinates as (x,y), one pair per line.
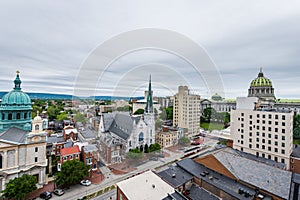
(186,111)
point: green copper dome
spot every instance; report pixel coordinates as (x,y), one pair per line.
(261,81)
(16,96)
(216,97)
(15,108)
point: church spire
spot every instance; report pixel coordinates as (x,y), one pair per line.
(17,81)
(149,105)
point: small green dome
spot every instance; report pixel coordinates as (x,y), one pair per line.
(261,81)
(216,97)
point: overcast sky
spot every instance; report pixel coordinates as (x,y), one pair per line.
(50,41)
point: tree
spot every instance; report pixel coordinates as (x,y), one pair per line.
(296,130)
(135,154)
(158,124)
(163,115)
(146,148)
(79,117)
(19,187)
(227,118)
(35,109)
(52,112)
(184,141)
(208,113)
(169,111)
(126,108)
(139,111)
(72,171)
(62,116)
(154,147)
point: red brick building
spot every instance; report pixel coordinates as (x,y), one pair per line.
(70,153)
(90,156)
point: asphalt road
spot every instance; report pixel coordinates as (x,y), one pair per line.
(79,191)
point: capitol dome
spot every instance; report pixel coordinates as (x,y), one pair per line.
(261,81)
(261,87)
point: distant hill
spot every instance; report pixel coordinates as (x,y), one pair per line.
(67,96)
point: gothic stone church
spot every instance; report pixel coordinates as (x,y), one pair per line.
(119,132)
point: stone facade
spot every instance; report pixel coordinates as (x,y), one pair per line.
(187,111)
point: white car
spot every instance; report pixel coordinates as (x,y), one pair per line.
(85,182)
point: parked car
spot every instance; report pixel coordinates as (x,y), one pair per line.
(58,192)
(153,158)
(46,195)
(85,182)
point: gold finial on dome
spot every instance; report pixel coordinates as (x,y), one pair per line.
(18,72)
(260,70)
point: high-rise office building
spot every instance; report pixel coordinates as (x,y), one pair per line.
(260,129)
(186,111)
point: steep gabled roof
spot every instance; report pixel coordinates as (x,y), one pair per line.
(213,163)
(122,125)
(108,119)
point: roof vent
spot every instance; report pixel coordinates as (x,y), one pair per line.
(173,175)
(153,186)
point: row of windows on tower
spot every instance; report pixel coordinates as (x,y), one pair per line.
(263,142)
(264,116)
(269,148)
(11,116)
(276,130)
(263,135)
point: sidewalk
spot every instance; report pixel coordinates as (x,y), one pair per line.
(96,178)
(48,187)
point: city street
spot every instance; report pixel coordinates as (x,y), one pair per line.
(79,191)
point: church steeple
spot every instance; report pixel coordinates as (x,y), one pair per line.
(149,105)
(17,81)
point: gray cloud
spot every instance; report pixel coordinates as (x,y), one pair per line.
(48,41)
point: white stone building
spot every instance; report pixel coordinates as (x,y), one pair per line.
(121,130)
(263,132)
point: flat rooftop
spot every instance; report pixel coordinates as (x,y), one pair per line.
(146,186)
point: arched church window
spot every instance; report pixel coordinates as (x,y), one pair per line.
(25,115)
(141,136)
(3,116)
(37,127)
(18,116)
(0,161)
(9,116)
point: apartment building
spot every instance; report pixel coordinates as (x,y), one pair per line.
(263,132)
(186,111)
